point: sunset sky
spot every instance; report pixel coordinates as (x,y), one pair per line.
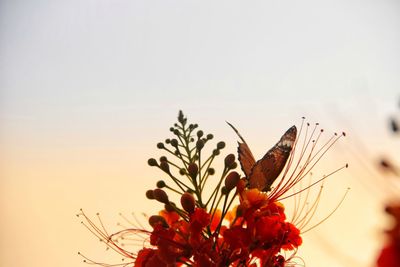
(88,87)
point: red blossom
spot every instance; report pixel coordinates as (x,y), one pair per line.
(390,256)
(237,237)
(198,220)
(170,217)
(292,238)
(148,258)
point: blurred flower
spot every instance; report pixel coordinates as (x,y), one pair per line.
(242,222)
(390,254)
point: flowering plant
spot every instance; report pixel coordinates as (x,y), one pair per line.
(242,222)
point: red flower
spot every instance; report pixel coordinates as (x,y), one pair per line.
(198,220)
(292,237)
(238,239)
(148,257)
(390,254)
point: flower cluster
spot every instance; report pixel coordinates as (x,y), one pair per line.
(255,234)
(235,224)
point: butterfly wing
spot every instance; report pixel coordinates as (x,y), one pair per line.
(266,170)
(246,158)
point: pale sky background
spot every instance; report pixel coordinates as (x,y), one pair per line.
(88,87)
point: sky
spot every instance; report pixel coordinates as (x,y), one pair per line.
(87,89)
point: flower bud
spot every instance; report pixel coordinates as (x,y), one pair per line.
(157,219)
(231,180)
(182,171)
(160,195)
(211,171)
(160,145)
(210,136)
(193,169)
(200,133)
(229,161)
(152,162)
(161,184)
(149,194)
(215,152)
(199,144)
(169,207)
(164,166)
(181,117)
(224,191)
(174,142)
(188,202)
(220,145)
(163,158)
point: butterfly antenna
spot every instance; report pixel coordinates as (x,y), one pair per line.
(237,132)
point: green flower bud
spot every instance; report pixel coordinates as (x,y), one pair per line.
(215,152)
(160,145)
(164,166)
(174,142)
(220,145)
(152,162)
(161,184)
(199,144)
(224,191)
(182,171)
(181,117)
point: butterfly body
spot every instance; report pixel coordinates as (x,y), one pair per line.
(263,173)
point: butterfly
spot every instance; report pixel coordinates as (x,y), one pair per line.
(263,173)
